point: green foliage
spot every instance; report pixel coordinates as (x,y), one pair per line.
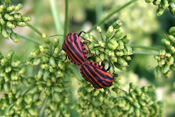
(163,5)
(10,19)
(166,56)
(53,89)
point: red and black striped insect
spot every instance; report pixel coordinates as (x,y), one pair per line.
(96,75)
(75,49)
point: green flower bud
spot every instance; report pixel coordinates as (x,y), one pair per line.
(161,62)
(118,33)
(117,24)
(10,54)
(4,33)
(46,75)
(172,8)
(170,61)
(149,1)
(9,17)
(8,69)
(22,70)
(172,31)
(33,111)
(18,7)
(4,61)
(15,63)
(122,62)
(10,25)
(131,110)
(165,68)
(6,86)
(119,66)
(160,11)
(26,18)
(21,24)
(165,42)
(126,39)
(120,45)
(156,2)
(165,4)
(109,32)
(101,44)
(128,50)
(45,59)
(167,74)
(112,44)
(137,112)
(52,62)
(2,8)
(99,29)
(10,8)
(138,90)
(157,72)
(168,55)
(14,37)
(19,101)
(172,38)
(171,49)
(36,61)
(56,52)
(17,16)
(119,53)
(162,53)
(35,52)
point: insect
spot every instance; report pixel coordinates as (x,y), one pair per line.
(96,75)
(75,49)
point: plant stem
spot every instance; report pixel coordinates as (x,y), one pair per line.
(30,39)
(57,20)
(145,47)
(111,14)
(33,28)
(145,53)
(66,18)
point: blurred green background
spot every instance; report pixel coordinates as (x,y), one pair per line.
(139,20)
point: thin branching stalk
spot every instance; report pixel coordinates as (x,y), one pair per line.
(66,18)
(30,39)
(145,53)
(57,20)
(35,29)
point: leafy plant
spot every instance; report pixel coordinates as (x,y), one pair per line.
(48,84)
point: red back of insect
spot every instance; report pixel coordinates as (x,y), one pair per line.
(96,75)
(74,49)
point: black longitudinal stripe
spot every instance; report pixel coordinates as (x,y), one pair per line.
(70,37)
(94,76)
(75,51)
(79,46)
(71,55)
(88,76)
(100,76)
(84,51)
(100,69)
(100,73)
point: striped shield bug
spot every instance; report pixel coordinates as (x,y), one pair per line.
(74,48)
(96,75)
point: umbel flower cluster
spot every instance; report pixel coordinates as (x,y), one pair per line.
(48,88)
(115,102)
(114,44)
(10,19)
(163,5)
(166,56)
